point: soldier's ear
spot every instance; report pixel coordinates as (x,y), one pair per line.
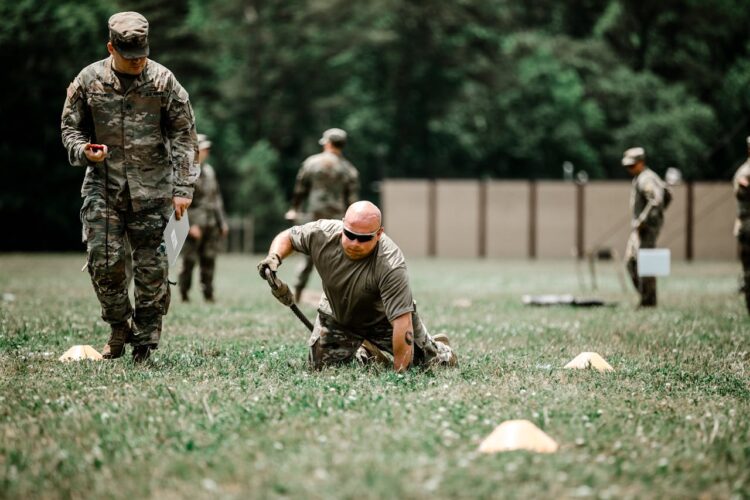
(110,48)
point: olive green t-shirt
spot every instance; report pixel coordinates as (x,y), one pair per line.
(357,293)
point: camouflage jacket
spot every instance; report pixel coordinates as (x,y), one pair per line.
(328,183)
(742,194)
(207,208)
(149,131)
(647,200)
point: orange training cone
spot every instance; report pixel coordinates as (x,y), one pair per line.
(79,352)
(590,360)
(518,435)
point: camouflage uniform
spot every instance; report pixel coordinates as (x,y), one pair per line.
(742,225)
(647,207)
(328,183)
(207,212)
(150,132)
(332,343)
(361,299)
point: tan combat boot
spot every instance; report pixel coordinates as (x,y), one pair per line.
(121,334)
(370,353)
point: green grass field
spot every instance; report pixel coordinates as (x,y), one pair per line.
(228,409)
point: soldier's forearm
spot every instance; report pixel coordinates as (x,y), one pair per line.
(282,245)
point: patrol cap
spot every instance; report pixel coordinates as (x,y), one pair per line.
(203,142)
(632,156)
(333,135)
(128,32)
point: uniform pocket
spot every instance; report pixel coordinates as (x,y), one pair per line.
(83,216)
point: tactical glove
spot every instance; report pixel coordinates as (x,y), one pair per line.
(271,262)
(282,293)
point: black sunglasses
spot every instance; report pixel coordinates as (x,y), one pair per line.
(362,238)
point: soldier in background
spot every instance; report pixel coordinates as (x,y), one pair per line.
(647,203)
(327,183)
(129,122)
(208,225)
(741,184)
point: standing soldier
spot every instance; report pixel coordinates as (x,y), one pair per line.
(130,123)
(329,183)
(207,227)
(647,203)
(741,184)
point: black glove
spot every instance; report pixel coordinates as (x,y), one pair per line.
(271,262)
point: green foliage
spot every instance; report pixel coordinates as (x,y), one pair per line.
(257,192)
(428,89)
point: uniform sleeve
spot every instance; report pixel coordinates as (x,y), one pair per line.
(197,208)
(396,293)
(221,216)
(183,141)
(75,124)
(653,191)
(302,235)
(301,187)
(352,188)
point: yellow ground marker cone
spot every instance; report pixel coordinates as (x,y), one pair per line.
(590,360)
(79,352)
(518,435)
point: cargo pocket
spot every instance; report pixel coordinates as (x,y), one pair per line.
(83,217)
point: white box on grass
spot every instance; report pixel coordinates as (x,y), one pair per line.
(653,262)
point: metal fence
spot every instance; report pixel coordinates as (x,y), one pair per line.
(548,219)
(240,237)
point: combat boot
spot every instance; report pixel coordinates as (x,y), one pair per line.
(121,334)
(141,353)
(369,353)
(443,339)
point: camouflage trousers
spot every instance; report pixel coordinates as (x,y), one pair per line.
(646,287)
(744,244)
(202,251)
(104,232)
(332,343)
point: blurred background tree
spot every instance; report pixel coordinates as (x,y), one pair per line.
(490,89)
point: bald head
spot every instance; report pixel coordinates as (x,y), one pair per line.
(362,230)
(363,217)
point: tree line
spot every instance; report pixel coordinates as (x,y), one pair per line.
(429,89)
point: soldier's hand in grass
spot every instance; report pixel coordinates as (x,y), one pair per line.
(180,205)
(224,229)
(96,153)
(195,232)
(271,262)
